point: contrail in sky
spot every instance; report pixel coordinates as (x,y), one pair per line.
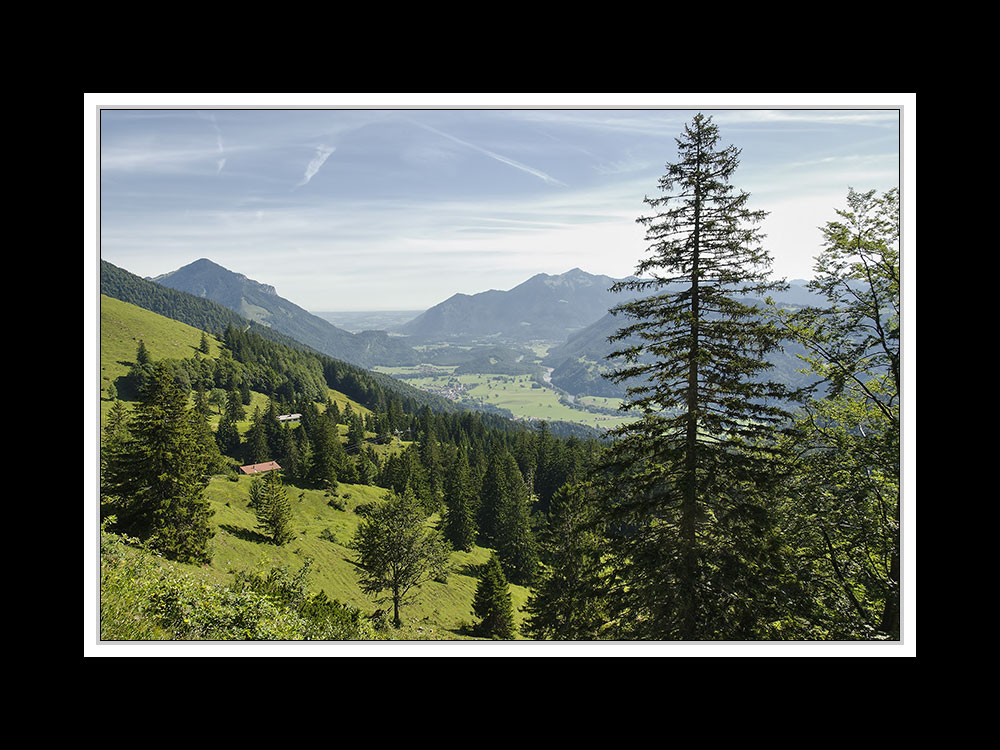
(218,143)
(505,160)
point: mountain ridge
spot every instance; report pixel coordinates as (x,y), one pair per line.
(545,306)
(262,304)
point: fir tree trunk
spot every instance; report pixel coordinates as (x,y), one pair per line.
(689,508)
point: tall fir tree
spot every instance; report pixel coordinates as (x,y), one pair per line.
(460,502)
(567,602)
(430,459)
(690,478)
(227,437)
(256,449)
(326,450)
(154,482)
(505,518)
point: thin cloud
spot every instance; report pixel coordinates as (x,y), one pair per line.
(218,145)
(493,155)
(322,154)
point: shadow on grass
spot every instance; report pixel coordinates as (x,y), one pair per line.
(245,534)
(468,569)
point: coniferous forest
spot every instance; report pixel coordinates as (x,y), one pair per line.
(734,507)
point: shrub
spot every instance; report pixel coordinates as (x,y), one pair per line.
(140,600)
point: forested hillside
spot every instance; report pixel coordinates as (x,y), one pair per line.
(176,429)
(214,318)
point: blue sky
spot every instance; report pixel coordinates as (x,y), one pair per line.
(375,207)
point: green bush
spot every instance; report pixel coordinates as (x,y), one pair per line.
(143,600)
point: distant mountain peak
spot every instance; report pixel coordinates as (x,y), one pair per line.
(261,303)
(546,306)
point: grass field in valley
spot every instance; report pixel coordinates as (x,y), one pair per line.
(523,396)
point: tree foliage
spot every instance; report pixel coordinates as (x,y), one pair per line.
(505,518)
(270,504)
(567,602)
(460,505)
(689,482)
(397,552)
(848,484)
(154,479)
(141,599)
(492,603)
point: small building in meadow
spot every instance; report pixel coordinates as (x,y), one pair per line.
(283,418)
(260,468)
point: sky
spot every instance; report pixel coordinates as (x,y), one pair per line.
(397,204)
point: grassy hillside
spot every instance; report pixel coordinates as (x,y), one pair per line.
(322,530)
(123,325)
(323,533)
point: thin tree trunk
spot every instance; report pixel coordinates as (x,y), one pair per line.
(689,506)
(396,621)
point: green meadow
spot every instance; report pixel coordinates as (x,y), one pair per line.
(524,397)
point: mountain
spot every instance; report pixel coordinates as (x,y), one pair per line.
(578,363)
(367,387)
(544,307)
(260,303)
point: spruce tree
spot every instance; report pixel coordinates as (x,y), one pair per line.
(154,481)
(270,504)
(495,487)
(492,603)
(460,518)
(430,459)
(504,518)
(567,602)
(689,480)
(234,406)
(227,437)
(256,449)
(515,541)
(142,357)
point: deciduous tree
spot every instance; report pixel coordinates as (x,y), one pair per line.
(397,551)
(849,480)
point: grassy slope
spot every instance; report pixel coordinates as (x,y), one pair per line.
(124,325)
(438,611)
